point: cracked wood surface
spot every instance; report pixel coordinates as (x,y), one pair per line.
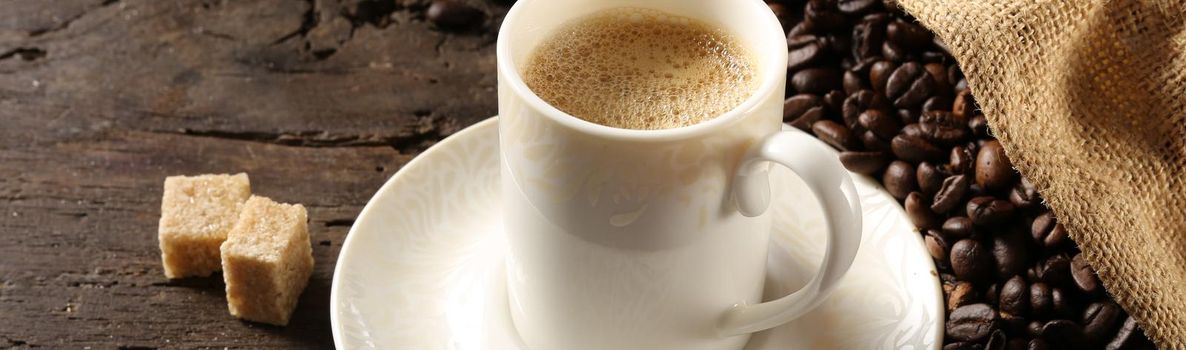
(320,101)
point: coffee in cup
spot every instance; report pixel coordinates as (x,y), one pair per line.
(635,68)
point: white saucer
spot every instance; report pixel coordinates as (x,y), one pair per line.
(422,267)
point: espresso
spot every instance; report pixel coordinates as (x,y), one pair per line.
(636,68)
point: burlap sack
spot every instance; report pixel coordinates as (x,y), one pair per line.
(1089,99)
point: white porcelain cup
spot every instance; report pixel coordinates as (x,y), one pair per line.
(654,239)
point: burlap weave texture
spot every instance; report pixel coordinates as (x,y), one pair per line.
(1088,99)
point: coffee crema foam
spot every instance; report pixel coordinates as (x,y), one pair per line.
(636,68)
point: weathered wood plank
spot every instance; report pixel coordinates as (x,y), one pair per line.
(237,67)
(320,101)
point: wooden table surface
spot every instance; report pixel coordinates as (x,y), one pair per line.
(320,101)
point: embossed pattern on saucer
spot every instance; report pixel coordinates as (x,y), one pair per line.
(422,267)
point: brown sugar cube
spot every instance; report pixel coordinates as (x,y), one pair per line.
(267,260)
(197,212)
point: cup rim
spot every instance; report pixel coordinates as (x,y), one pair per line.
(771,78)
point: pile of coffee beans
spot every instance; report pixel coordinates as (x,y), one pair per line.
(867,79)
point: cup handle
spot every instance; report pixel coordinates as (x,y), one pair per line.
(826,177)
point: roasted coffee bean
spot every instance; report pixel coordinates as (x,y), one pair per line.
(1055,270)
(949,194)
(893,52)
(808,118)
(821,16)
(918,209)
(873,142)
(1040,303)
(946,286)
(1083,275)
(942,128)
(817,80)
(957,227)
(1034,328)
(1043,222)
(1038,344)
(837,45)
(937,246)
(971,323)
(973,149)
(1015,296)
(944,118)
(936,103)
(1010,249)
(853,83)
(909,85)
(993,169)
(861,102)
(854,105)
(964,106)
(942,135)
(938,72)
(1012,323)
(1047,232)
(961,161)
(798,30)
(805,51)
(861,66)
(979,125)
(936,57)
(1060,303)
(971,260)
(453,14)
(868,35)
(796,106)
(912,130)
(879,74)
(908,35)
(993,292)
(1018,344)
(930,178)
(801,39)
(1063,334)
(856,7)
(907,117)
(1124,336)
(963,293)
(915,149)
(986,210)
(834,100)
(960,85)
(1099,320)
(974,190)
(879,123)
(1024,196)
(899,179)
(867,163)
(954,72)
(996,341)
(834,134)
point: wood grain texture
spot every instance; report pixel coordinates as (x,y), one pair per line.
(320,101)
